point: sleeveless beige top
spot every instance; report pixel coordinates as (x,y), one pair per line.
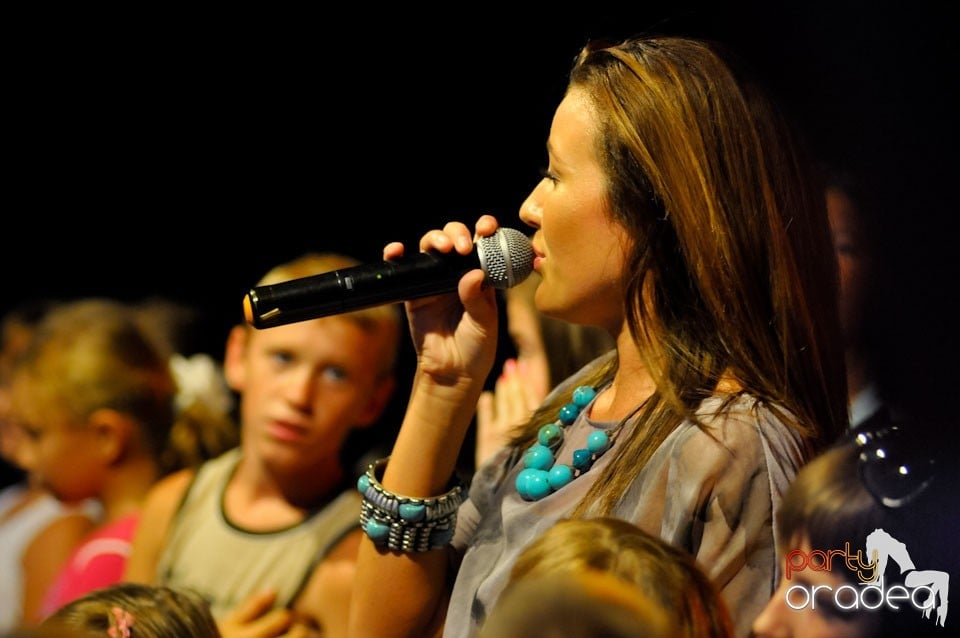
(226,564)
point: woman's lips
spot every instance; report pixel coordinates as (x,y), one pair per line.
(538,258)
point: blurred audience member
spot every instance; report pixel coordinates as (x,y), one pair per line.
(131,610)
(586,604)
(97,401)
(867,534)
(854,225)
(204,402)
(268,532)
(37,531)
(668,577)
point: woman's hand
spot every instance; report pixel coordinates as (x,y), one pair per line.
(454,335)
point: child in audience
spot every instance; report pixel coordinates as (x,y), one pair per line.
(581,604)
(37,531)
(866,533)
(132,610)
(665,575)
(96,399)
(280,513)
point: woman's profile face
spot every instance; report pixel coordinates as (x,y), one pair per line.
(580,251)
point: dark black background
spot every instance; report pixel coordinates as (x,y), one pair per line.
(183,152)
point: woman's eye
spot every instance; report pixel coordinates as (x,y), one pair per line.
(546,174)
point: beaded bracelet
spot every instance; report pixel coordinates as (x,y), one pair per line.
(404,523)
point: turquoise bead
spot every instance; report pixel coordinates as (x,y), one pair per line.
(538,457)
(363,483)
(550,435)
(598,442)
(581,459)
(568,414)
(540,477)
(376,530)
(532,484)
(583,395)
(559,475)
(413,512)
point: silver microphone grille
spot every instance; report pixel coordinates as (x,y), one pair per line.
(506,257)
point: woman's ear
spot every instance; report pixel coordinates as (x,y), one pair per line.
(114,432)
(234,365)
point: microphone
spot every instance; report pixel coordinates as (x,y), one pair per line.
(506,257)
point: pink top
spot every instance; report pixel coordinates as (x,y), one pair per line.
(98,561)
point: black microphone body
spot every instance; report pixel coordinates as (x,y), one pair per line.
(506,257)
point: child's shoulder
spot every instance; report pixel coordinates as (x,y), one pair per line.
(165,495)
(175,485)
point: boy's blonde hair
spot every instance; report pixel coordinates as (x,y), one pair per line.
(376,318)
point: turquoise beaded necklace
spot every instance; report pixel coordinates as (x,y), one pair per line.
(541,475)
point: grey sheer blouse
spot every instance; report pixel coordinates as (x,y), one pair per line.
(711,493)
